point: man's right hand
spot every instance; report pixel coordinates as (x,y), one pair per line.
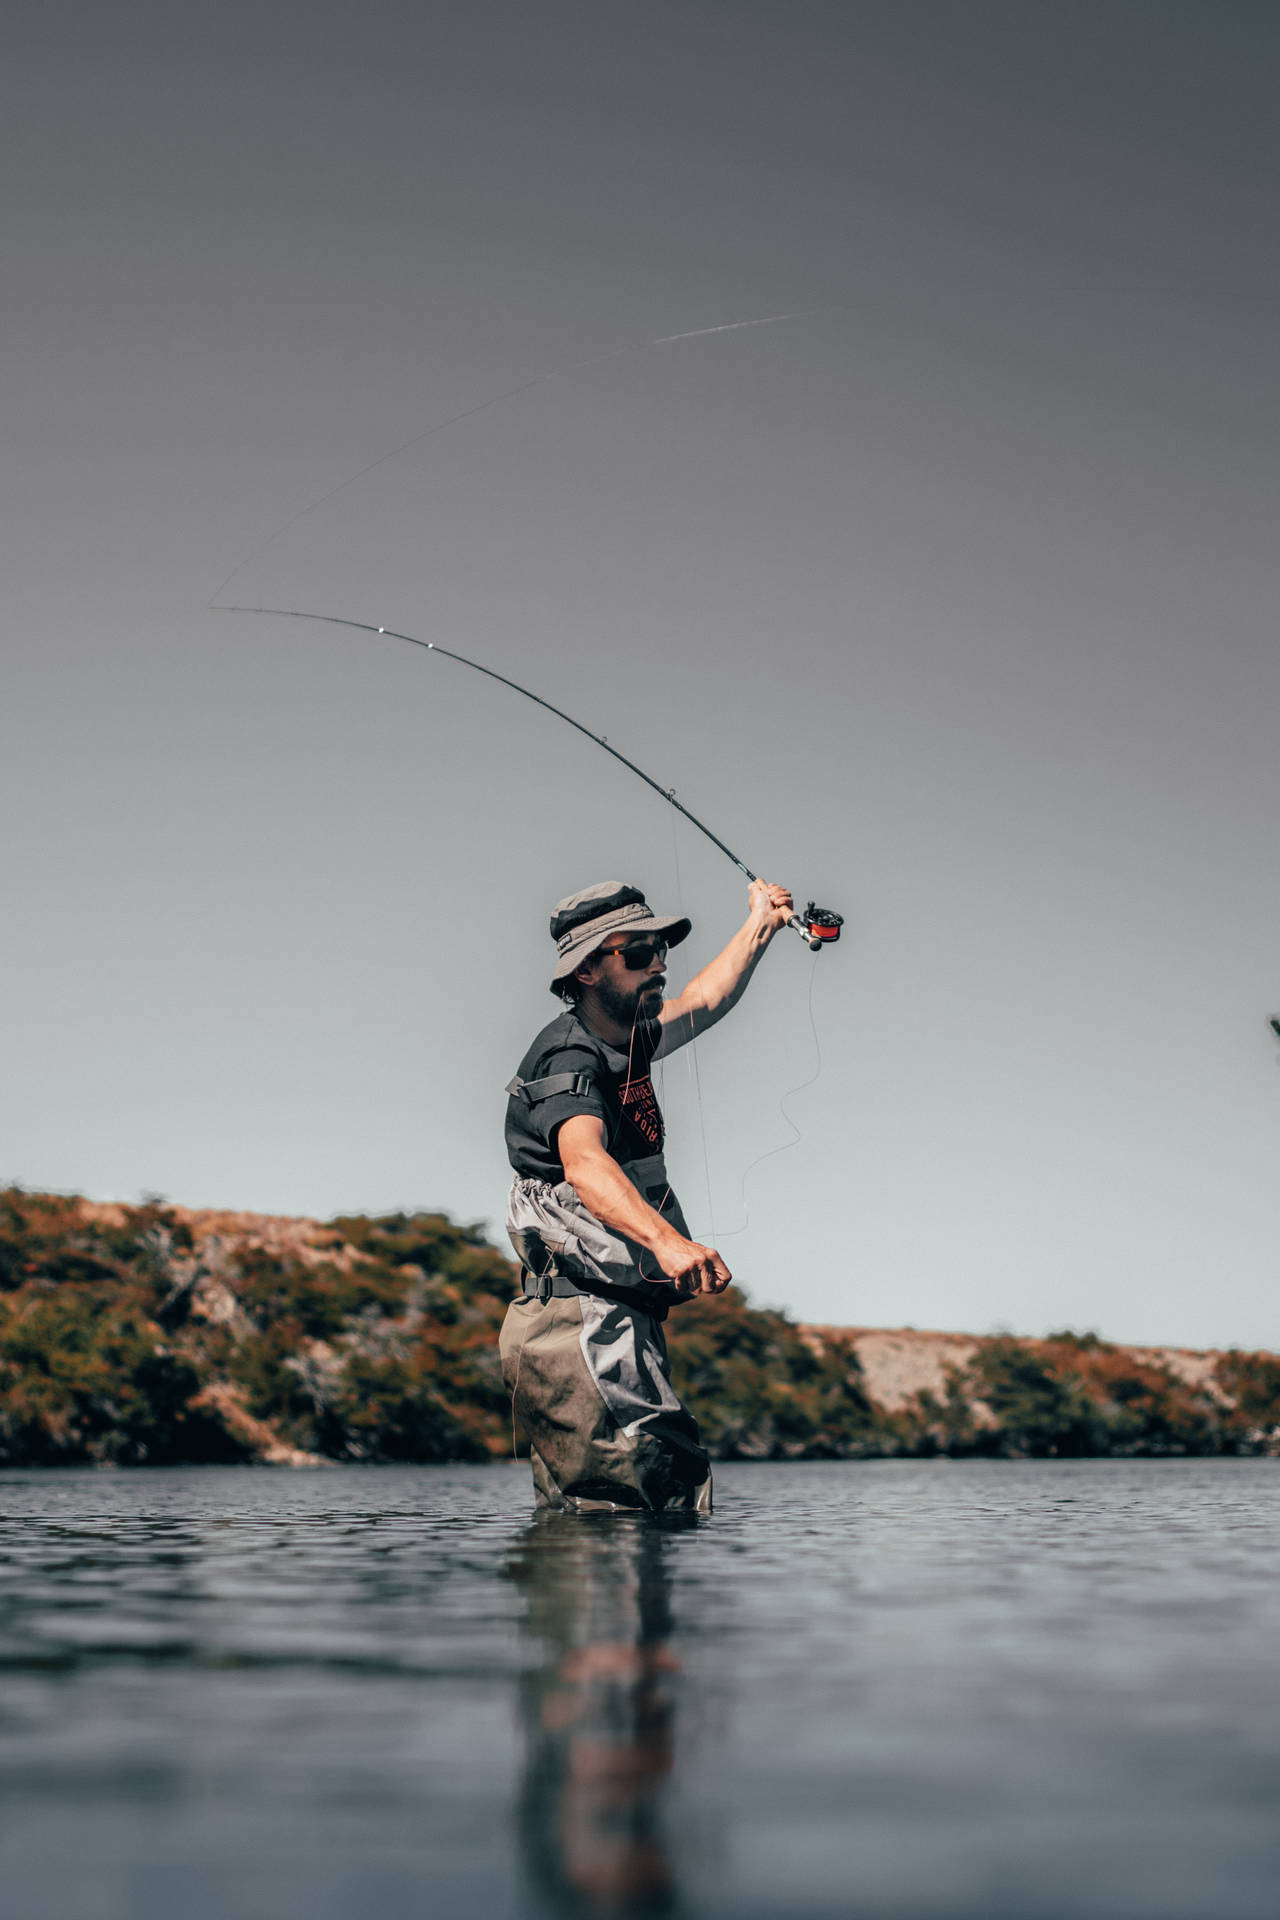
(604,1188)
(693,1268)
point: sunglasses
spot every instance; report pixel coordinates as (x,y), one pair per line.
(637,954)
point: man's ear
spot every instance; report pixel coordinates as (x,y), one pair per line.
(585,971)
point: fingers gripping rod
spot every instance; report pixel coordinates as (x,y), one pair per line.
(808,929)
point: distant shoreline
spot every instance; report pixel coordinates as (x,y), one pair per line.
(163,1335)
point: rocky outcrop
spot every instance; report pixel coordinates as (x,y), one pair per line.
(900,1363)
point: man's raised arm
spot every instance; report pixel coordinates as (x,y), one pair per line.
(723,981)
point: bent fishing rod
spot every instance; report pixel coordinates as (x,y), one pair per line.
(817,926)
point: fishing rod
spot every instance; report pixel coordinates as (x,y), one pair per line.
(817,926)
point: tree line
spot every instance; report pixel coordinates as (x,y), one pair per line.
(147,1335)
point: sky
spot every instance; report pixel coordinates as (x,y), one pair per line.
(951,603)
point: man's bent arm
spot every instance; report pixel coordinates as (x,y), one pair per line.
(604,1188)
(723,981)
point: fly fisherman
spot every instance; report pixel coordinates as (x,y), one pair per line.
(604,1247)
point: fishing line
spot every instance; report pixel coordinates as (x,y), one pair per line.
(731,1233)
(476,407)
(702,1129)
(661,1096)
(561,370)
(695,1080)
(691,1063)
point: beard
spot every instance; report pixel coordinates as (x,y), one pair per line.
(630,1008)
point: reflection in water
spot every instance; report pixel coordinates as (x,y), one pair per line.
(598,1708)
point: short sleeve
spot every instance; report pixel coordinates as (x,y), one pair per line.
(545,1116)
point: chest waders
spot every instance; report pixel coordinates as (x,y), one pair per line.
(584,1354)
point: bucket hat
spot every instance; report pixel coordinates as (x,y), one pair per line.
(582,921)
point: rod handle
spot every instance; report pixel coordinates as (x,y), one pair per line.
(809,939)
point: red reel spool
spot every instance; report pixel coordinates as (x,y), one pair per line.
(822,923)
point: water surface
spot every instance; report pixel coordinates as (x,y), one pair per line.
(1040,1690)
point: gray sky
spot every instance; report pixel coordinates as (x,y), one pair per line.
(953,604)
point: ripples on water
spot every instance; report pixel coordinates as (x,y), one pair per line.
(887,1689)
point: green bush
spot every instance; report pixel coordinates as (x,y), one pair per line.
(1038,1411)
(83,1377)
(1252,1380)
(760,1391)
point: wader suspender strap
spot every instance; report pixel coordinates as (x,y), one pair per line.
(531,1090)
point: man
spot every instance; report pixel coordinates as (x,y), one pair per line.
(603,1244)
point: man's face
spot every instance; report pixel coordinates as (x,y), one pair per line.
(628,976)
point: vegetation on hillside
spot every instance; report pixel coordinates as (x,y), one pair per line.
(124,1338)
(762,1390)
(149,1335)
(1075,1395)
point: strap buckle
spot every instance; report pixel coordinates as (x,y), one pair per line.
(577,1084)
(541,1289)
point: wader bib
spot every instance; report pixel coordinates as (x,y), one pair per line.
(584,1355)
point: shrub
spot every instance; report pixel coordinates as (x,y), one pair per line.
(758,1388)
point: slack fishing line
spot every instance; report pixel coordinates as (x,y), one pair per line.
(783,1146)
(716,1235)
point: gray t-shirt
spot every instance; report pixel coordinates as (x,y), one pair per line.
(619,1091)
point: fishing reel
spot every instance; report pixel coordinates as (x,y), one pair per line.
(820,926)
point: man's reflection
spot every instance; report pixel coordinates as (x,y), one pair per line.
(598,1709)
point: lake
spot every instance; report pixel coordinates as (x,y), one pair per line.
(880,1689)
